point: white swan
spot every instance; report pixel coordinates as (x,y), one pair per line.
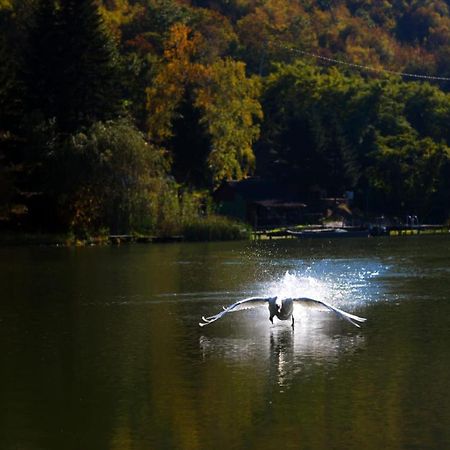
(282,308)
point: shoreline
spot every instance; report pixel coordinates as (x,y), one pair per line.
(19,239)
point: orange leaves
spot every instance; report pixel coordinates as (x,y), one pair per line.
(182,44)
(220,90)
(177,70)
(273,23)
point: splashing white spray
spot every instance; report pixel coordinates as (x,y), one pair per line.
(293,285)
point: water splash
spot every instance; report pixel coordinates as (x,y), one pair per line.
(340,283)
(294,285)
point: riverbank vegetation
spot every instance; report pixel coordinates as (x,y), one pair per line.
(123,116)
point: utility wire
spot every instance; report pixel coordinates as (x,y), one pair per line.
(362,66)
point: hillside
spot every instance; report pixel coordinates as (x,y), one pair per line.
(125,115)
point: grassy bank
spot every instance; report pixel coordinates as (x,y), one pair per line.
(29,238)
(209,228)
(12,238)
(215,228)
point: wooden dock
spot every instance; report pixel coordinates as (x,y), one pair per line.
(403,230)
(350,232)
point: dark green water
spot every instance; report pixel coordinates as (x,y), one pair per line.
(100,347)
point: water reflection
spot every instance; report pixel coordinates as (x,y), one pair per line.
(281,352)
(101,348)
(319,339)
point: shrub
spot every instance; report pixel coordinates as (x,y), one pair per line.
(109,173)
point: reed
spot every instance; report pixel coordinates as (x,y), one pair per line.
(215,228)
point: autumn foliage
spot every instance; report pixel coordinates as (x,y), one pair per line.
(114,113)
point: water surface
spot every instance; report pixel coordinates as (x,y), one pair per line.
(100,348)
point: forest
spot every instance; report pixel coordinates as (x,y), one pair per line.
(124,116)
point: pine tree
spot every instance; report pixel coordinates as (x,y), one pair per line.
(91,66)
(41,63)
(71,65)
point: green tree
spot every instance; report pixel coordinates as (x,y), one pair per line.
(304,137)
(407,172)
(231,109)
(12,169)
(110,174)
(427,109)
(9,88)
(192,104)
(386,137)
(71,69)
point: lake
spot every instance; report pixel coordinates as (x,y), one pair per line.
(100,347)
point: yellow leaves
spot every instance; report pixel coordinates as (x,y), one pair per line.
(118,13)
(274,16)
(6,4)
(230,106)
(182,44)
(221,90)
(271,29)
(364,55)
(178,69)
(217,34)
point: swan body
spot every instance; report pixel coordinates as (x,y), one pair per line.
(282,308)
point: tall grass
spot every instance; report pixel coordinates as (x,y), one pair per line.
(214,228)
(191,214)
(169,211)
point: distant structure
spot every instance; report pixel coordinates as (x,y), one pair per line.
(265,203)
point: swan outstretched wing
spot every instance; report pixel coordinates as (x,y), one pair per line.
(321,305)
(246,303)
